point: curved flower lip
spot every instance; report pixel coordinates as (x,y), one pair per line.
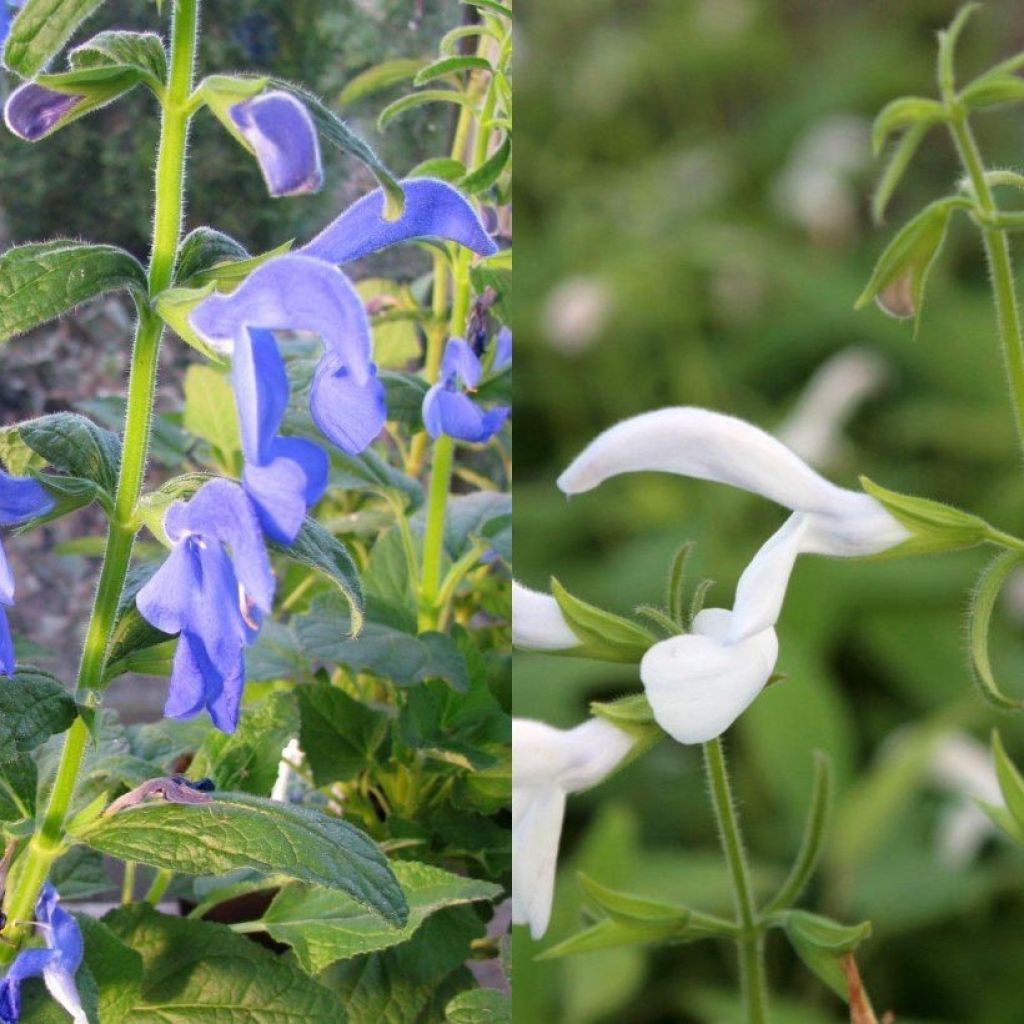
(433,209)
(711,446)
(538,623)
(698,684)
(547,764)
(21,498)
(293,292)
(283,137)
(32,110)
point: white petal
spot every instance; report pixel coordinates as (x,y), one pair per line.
(707,446)
(61,985)
(538,623)
(571,759)
(865,528)
(698,686)
(536,832)
(762,587)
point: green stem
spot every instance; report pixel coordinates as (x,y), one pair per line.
(750,940)
(160,885)
(433,540)
(128,885)
(46,844)
(997,250)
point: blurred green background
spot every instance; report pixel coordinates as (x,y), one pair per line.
(694,180)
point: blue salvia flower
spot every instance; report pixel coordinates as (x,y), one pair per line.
(21,498)
(447,409)
(57,963)
(283,476)
(214,599)
(305,291)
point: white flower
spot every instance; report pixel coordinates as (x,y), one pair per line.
(538,623)
(700,683)
(547,765)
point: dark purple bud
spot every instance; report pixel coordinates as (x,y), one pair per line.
(176,790)
(33,111)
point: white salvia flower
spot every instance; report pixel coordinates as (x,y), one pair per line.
(964,766)
(538,623)
(684,676)
(814,428)
(547,765)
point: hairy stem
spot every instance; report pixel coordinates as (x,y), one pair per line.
(750,939)
(46,844)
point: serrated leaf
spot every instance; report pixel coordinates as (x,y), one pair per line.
(213,977)
(903,113)
(338,734)
(247,760)
(42,280)
(323,926)
(934,526)
(33,707)
(602,634)
(898,280)
(450,66)
(983,602)
(317,549)
(71,444)
(41,28)
(239,831)
(379,77)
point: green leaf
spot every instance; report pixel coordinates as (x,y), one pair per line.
(247,760)
(983,603)
(899,161)
(201,250)
(379,77)
(404,394)
(335,131)
(42,280)
(395,341)
(317,549)
(602,634)
(210,411)
(368,471)
(450,66)
(993,90)
(175,305)
(33,707)
(41,28)
(480,1006)
(614,934)
(481,178)
(629,908)
(213,976)
(1011,783)
(934,526)
(132,634)
(444,167)
(631,711)
(898,280)
(820,942)
(323,926)
(419,99)
(143,51)
(495,272)
(947,46)
(19,779)
(906,112)
(339,735)
(242,831)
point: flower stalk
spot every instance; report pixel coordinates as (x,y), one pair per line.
(176,114)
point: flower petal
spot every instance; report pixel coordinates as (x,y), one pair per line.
(6,579)
(33,110)
(284,487)
(186,695)
(284,139)
(164,599)
(350,413)
(220,510)
(536,833)
(433,209)
(502,350)
(457,415)
(29,963)
(698,686)
(292,293)
(21,498)
(7,657)
(260,383)
(538,623)
(460,361)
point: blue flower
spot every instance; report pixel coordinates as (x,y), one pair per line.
(215,600)
(21,498)
(283,475)
(283,137)
(447,409)
(304,291)
(58,962)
